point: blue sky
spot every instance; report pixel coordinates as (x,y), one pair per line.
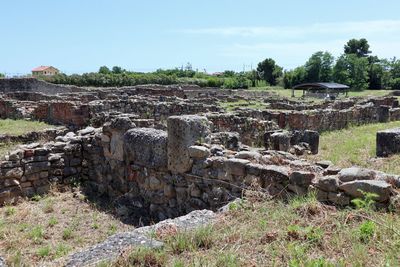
(80,35)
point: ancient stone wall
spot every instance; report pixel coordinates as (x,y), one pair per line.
(150,174)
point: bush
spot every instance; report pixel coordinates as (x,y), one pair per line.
(395,83)
(366,230)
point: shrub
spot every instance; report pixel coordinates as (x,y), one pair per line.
(366,230)
(395,83)
(367,202)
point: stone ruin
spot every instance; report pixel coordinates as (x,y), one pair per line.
(159,152)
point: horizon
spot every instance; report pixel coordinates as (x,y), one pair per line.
(80,37)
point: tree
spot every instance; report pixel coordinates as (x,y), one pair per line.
(269,71)
(294,77)
(104,70)
(395,68)
(375,73)
(2,75)
(117,70)
(318,68)
(358,47)
(352,70)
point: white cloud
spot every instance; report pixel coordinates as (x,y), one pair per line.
(358,28)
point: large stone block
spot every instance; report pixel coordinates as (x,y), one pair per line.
(388,142)
(146,147)
(183,132)
(356,189)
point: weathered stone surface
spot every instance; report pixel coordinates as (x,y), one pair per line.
(388,142)
(199,152)
(236,166)
(338,198)
(248,155)
(381,188)
(274,174)
(328,183)
(356,173)
(183,132)
(36,167)
(12,173)
(146,147)
(324,163)
(301,177)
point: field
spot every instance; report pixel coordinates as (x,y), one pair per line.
(300,232)
(357,146)
(229,106)
(18,127)
(44,229)
(298,93)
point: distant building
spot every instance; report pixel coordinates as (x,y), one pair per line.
(45,71)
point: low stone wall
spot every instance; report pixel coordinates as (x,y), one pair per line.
(73,115)
(330,119)
(150,174)
(251,130)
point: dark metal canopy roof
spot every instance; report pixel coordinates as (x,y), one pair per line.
(333,86)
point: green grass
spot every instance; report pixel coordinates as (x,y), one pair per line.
(229,106)
(300,232)
(298,93)
(6,147)
(357,146)
(18,127)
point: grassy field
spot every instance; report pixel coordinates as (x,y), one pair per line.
(301,232)
(357,146)
(18,127)
(229,106)
(45,229)
(298,93)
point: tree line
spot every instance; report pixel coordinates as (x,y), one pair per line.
(117,76)
(356,67)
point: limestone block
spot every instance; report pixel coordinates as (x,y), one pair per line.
(301,177)
(146,147)
(328,183)
(388,142)
(236,166)
(183,132)
(199,152)
(35,167)
(356,173)
(355,188)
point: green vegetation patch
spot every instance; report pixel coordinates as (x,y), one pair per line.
(357,146)
(299,232)
(19,127)
(229,106)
